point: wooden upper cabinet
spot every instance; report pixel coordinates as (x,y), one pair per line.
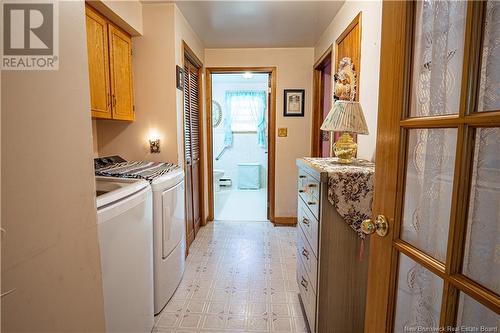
(110,68)
(120,51)
(97,50)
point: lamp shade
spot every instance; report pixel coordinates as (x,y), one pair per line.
(345,116)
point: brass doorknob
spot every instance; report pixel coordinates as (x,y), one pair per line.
(379,226)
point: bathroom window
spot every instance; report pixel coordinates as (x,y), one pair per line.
(247,110)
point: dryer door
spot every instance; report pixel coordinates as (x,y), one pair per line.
(173,217)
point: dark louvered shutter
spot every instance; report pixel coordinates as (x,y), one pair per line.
(192,148)
(187,115)
(195,112)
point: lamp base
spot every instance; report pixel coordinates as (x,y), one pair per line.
(345,148)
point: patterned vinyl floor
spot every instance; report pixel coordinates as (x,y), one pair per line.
(240,277)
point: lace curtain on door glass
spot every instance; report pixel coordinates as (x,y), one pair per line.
(437,65)
(482,247)
(489,88)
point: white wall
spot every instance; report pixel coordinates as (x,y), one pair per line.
(50,252)
(294,70)
(371,27)
(125,14)
(159,106)
(154,84)
(245,148)
(184,33)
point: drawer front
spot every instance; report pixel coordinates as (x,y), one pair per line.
(308,296)
(307,258)
(309,225)
(309,191)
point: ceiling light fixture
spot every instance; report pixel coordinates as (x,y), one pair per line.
(247,75)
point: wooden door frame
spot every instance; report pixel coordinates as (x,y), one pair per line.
(318,97)
(271,134)
(393,127)
(317,116)
(189,53)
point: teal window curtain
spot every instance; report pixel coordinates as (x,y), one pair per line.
(246,111)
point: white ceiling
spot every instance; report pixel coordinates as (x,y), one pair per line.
(227,24)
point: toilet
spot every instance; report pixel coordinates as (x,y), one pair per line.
(218,174)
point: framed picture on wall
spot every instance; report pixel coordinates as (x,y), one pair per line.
(293,103)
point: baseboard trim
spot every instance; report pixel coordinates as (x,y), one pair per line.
(285,220)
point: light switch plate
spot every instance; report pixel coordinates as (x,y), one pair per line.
(282,132)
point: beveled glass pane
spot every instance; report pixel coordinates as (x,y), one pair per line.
(419,293)
(428,189)
(489,88)
(482,247)
(438,57)
(472,314)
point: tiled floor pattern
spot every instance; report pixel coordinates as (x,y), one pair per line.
(240,277)
(241,205)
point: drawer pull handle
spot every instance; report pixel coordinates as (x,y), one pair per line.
(312,185)
(301,191)
(305,253)
(306,221)
(310,203)
(302,176)
(304,283)
(7,293)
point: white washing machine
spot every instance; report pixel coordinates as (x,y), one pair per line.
(169,245)
(125,230)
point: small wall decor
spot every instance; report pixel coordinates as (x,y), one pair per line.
(179,77)
(293,104)
(345,81)
(216,114)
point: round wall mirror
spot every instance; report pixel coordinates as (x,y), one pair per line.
(216,114)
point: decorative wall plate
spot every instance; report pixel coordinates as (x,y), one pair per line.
(216,114)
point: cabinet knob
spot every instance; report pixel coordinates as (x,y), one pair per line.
(306,221)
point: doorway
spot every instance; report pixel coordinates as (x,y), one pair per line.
(320,145)
(240,132)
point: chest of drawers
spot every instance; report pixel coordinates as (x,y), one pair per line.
(332,279)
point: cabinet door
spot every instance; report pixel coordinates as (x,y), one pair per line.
(120,52)
(97,50)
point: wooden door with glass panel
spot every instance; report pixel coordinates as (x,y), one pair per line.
(437,170)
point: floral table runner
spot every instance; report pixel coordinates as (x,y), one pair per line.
(350,188)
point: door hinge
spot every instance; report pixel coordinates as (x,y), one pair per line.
(133,108)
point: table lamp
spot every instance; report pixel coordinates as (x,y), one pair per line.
(346,115)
